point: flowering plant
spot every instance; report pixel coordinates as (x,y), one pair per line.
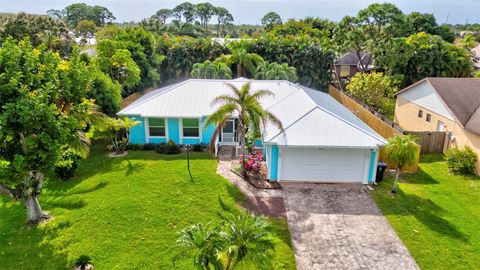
(252,162)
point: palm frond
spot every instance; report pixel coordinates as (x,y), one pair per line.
(221,99)
(222,113)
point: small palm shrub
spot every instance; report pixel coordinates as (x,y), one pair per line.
(461,161)
(239,239)
(67,165)
(172,148)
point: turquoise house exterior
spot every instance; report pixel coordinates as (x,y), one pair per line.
(321,141)
(172,129)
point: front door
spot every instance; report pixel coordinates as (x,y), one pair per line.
(228,132)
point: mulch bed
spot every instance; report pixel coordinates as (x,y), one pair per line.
(258,180)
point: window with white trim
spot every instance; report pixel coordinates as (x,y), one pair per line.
(156,127)
(191,127)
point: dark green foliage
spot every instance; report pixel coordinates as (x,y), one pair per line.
(160,148)
(107,94)
(197,148)
(417,22)
(40,30)
(142,47)
(423,55)
(134,147)
(312,62)
(172,148)
(461,161)
(67,164)
(271,19)
(181,53)
(148,147)
(75,13)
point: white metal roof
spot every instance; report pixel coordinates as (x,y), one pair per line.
(309,117)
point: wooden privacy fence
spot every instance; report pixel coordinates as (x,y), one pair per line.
(430,141)
(376,121)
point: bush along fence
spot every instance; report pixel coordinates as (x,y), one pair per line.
(375,120)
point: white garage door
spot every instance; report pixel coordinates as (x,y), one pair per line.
(322,165)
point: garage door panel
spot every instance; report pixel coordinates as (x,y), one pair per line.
(323,165)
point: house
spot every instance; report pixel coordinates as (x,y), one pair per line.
(476,57)
(351,63)
(321,141)
(443,104)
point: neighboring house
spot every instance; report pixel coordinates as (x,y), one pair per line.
(443,104)
(476,57)
(321,142)
(351,63)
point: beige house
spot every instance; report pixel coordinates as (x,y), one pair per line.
(443,104)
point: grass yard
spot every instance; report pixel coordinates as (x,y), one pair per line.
(436,214)
(123,213)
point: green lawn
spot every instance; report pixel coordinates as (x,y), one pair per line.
(436,214)
(123,213)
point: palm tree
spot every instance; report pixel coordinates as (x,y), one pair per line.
(245,237)
(401,150)
(211,70)
(276,71)
(244,60)
(244,104)
(201,242)
(468,42)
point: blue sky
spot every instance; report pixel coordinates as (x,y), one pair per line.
(250,11)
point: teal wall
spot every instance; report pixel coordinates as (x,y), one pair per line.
(372,168)
(137,133)
(173,129)
(190,141)
(273,162)
(157,140)
(207,132)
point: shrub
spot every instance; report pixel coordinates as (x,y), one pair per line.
(461,161)
(67,165)
(374,89)
(197,148)
(160,148)
(148,147)
(172,148)
(252,162)
(134,147)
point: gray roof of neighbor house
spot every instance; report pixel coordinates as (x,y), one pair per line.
(309,117)
(461,96)
(352,59)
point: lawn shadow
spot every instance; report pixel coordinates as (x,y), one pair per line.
(68,188)
(421,177)
(425,211)
(29,247)
(133,168)
(66,203)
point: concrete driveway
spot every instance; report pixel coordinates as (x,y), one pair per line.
(340,227)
